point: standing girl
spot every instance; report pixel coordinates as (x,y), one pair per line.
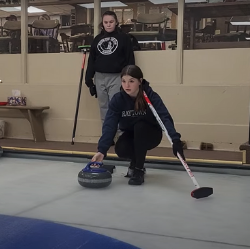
(110,52)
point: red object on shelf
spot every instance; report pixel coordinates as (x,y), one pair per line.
(3,103)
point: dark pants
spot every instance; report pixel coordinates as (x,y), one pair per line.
(134,145)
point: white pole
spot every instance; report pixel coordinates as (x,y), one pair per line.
(24,40)
(97,16)
(88,16)
(181,7)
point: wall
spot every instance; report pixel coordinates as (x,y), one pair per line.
(210,106)
(218,84)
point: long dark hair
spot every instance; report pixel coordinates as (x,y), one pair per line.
(135,72)
(109,13)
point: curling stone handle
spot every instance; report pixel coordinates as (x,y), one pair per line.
(90,163)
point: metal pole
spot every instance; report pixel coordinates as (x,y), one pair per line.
(181,7)
(97,16)
(88,16)
(24,39)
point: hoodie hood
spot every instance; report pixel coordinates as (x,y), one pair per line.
(145,85)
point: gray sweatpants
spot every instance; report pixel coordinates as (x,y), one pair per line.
(107,85)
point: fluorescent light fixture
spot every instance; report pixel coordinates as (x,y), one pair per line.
(240,23)
(9,9)
(104,5)
(30,9)
(176,1)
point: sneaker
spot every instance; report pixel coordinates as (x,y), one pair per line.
(131,171)
(137,178)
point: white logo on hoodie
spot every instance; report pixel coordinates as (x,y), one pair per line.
(107,46)
(133,113)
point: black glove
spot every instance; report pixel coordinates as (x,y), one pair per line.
(92,88)
(178,147)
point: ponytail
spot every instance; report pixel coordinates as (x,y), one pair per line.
(140,102)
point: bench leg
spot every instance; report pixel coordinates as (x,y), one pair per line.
(36,123)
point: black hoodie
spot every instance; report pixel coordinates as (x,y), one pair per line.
(121,111)
(109,53)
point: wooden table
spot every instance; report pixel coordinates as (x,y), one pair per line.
(33,115)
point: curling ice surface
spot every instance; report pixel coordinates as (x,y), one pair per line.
(159,214)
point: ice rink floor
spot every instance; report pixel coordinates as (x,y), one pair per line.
(160,214)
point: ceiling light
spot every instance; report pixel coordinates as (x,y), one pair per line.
(9,9)
(32,9)
(240,23)
(104,5)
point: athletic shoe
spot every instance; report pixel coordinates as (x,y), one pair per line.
(137,178)
(131,171)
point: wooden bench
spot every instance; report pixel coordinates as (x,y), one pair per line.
(245,148)
(33,114)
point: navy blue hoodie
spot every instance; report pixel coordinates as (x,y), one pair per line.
(121,111)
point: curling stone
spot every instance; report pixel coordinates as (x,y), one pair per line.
(95,176)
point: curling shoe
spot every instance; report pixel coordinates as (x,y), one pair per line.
(131,169)
(137,178)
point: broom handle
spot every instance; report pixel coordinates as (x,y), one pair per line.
(170,140)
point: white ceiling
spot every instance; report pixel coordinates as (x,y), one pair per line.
(50,10)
